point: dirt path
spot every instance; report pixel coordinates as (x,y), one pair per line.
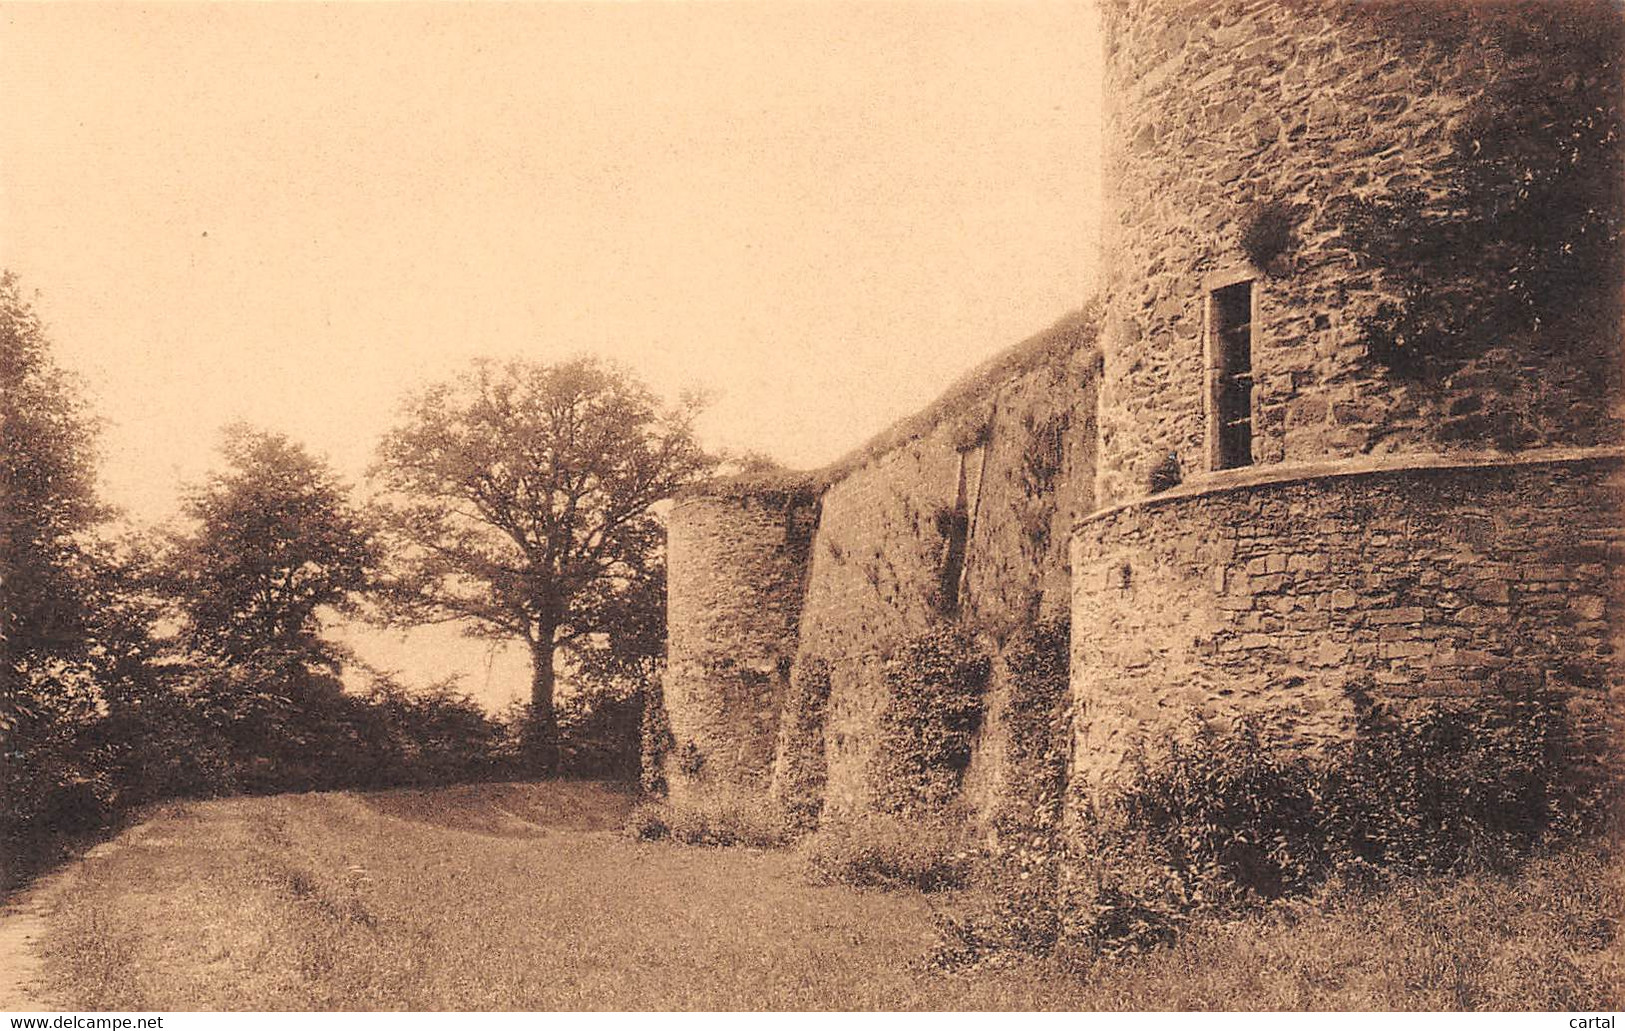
(22,928)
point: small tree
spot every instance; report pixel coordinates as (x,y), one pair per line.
(276,543)
(275,547)
(521,503)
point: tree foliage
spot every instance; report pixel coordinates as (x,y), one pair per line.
(276,544)
(50,773)
(521,504)
(47,492)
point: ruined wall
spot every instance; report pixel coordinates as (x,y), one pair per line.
(1275,598)
(1024,444)
(1338,112)
(736,566)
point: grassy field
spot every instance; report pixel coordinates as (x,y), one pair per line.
(527,897)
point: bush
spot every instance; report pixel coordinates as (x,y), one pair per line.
(600,733)
(1217,824)
(881,851)
(1022,864)
(437,736)
(718,819)
(936,682)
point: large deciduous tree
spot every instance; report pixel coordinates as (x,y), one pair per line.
(53,602)
(521,495)
(275,547)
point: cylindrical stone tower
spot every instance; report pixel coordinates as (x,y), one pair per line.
(1360,409)
(736,565)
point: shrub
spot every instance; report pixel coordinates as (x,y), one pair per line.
(600,732)
(1217,824)
(1022,864)
(715,819)
(936,682)
(881,851)
(1454,787)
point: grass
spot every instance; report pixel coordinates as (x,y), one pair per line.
(1542,940)
(522,897)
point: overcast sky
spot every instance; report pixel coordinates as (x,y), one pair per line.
(291,215)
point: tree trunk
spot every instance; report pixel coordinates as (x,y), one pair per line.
(541,741)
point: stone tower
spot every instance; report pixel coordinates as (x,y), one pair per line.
(1349,300)
(1345,424)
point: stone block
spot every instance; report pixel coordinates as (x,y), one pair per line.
(1405,614)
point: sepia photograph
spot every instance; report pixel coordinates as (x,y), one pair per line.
(662,506)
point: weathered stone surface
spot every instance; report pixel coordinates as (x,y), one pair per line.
(1231,593)
(1375,616)
(876,574)
(1363,113)
(736,568)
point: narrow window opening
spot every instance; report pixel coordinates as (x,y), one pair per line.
(1232,342)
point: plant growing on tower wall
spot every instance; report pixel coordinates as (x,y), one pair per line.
(936,682)
(1527,214)
(518,504)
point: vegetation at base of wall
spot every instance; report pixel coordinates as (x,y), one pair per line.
(875,850)
(1218,824)
(654,733)
(803,765)
(935,683)
(1020,866)
(719,819)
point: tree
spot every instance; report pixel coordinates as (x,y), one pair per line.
(276,543)
(51,772)
(47,492)
(521,498)
(275,547)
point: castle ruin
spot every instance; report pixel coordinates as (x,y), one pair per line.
(1347,413)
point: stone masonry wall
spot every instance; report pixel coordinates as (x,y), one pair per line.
(1026,446)
(736,567)
(1218,105)
(1275,598)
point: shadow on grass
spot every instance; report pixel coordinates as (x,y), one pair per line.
(510,809)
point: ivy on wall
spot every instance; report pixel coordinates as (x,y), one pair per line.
(803,763)
(1529,215)
(936,682)
(654,729)
(1038,721)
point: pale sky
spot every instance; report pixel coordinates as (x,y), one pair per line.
(292,215)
